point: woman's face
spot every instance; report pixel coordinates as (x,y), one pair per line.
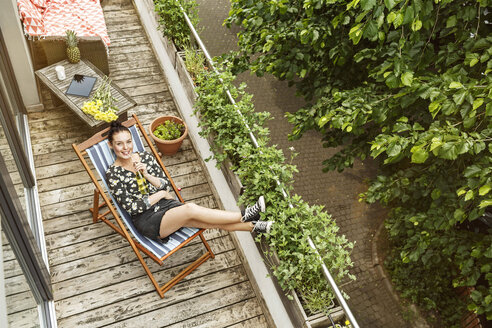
(122,144)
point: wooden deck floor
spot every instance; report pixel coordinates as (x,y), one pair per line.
(97,279)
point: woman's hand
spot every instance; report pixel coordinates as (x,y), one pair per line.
(139,166)
(161,194)
(166,194)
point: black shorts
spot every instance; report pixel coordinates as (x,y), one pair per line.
(149,222)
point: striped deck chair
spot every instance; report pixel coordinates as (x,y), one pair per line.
(98,151)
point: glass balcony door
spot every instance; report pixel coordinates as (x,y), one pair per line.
(25,287)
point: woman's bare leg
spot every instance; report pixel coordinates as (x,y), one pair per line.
(240,226)
(192,215)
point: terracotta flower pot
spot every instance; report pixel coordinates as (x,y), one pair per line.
(167,147)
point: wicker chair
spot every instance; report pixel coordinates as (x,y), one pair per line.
(50,50)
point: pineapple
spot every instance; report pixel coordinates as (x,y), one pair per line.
(73,52)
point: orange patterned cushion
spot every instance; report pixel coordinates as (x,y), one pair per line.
(39,3)
(85,17)
(31,17)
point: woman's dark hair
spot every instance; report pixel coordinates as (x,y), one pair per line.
(115,127)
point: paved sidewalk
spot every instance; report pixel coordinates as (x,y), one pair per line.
(371,303)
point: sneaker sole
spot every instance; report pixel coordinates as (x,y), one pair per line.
(261,200)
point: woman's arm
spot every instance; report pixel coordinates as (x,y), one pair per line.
(153,172)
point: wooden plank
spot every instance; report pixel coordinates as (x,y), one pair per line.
(228,316)
(69,253)
(67,208)
(20,302)
(75,236)
(141,304)
(15,284)
(190,194)
(127,41)
(130,49)
(8,253)
(196,306)
(113,257)
(63,181)
(59,124)
(153,110)
(122,26)
(58,169)
(86,249)
(135,288)
(62,136)
(256,322)
(24,319)
(136,73)
(120,34)
(49,114)
(116,5)
(62,195)
(184,168)
(154,98)
(183,156)
(125,62)
(92,280)
(11,269)
(56,157)
(145,57)
(146,89)
(140,81)
(66,223)
(130,14)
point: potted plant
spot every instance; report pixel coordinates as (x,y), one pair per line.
(168,133)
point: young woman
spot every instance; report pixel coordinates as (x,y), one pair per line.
(155,213)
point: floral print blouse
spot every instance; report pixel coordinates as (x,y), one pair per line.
(123,185)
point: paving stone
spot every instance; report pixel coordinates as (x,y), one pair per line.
(338,192)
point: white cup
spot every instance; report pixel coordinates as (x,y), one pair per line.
(60,72)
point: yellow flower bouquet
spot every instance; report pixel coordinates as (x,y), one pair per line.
(101,106)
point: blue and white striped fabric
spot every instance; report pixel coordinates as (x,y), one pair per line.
(102,157)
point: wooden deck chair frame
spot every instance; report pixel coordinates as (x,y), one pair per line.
(98,214)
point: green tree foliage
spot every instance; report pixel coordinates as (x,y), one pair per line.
(409,83)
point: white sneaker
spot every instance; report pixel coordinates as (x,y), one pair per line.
(263,226)
(252,213)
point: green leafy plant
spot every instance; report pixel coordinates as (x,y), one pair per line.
(169,130)
(194,61)
(264,171)
(409,84)
(172,22)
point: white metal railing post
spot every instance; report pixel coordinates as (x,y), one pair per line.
(326,272)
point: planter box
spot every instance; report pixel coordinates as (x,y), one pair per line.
(184,77)
(168,44)
(294,307)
